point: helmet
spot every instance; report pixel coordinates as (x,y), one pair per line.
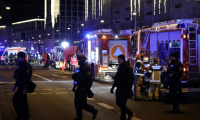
(155,60)
(81,58)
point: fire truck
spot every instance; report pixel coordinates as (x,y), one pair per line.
(102,47)
(181,36)
(62,56)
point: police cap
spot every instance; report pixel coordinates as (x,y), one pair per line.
(142,51)
(81,58)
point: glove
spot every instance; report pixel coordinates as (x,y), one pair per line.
(111,90)
(24,91)
(73,89)
(14,88)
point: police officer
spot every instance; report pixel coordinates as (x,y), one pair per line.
(123,81)
(82,83)
(139,75)
(174,71)
(22,75)
(155,79)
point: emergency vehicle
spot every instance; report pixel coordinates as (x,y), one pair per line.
(181,36)
(102,47)
(63,55)
(5,59)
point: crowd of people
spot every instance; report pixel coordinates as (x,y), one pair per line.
(125,78)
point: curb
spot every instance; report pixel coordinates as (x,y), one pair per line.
(0,113)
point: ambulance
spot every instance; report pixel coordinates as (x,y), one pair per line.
(181,36)
(102,47)
(5,59)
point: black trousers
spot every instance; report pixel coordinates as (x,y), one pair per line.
(20,104)
(174,88)
(80,102)
(121,102)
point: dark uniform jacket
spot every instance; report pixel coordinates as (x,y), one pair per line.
(124,78)
(83,78)
(176,69)
(23,74)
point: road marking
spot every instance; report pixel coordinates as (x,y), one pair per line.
(90,98)
(36,89)
(60,88)
(62,93)
(45,93)
(7,90)
(32,93)
(47,89)
(104,91)
(10,93)
(59,76)
(105,105)
(43,77)
(69,88)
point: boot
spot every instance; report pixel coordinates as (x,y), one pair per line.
(94,114)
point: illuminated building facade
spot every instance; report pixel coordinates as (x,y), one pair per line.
(64,21)
(98,14)
(123,14)
(30,34)
(164,10)
(5,36)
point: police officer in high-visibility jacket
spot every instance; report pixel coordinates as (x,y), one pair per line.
(139,75)
(155,71)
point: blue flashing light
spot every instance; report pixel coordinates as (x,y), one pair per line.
(88,36)
(75,83)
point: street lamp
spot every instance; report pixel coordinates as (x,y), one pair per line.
(0,17)
(7,8)
(65,44)
(68,33)
(135,14)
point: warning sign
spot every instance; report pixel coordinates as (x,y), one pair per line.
(117,48)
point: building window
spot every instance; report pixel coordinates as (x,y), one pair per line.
(74,8)
(68,7)
(80,14)
(62,13)
(69,25)
(80,19)
(74,13)
(74,2)
(68,13)
(63,2)
(80,2)
(74,25)
(69,2)
(80,8)
(74,19)
(68,19)
(62,7)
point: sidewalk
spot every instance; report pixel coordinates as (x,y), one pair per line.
(5,108)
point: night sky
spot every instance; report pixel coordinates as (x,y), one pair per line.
(20,10)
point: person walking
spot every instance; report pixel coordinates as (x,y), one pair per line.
(174,72)
(22,75)
(82,83)
(123,80)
